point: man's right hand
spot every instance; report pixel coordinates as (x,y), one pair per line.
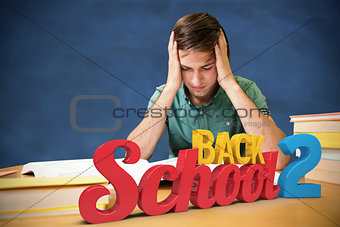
(174,80)
(151,129)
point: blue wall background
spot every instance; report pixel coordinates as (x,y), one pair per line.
(53,51)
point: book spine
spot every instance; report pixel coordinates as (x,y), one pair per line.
(317,126)
(322,175)
(327,139)
(328,165)
(45,212)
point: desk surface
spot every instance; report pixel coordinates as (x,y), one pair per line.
(324,211)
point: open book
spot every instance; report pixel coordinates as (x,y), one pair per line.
(57,185)
(85,167)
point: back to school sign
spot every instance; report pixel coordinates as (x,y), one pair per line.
(222,186)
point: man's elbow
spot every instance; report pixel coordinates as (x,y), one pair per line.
(282,162)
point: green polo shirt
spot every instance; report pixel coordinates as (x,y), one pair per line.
(218,115)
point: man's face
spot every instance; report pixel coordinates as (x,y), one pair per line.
(199,72)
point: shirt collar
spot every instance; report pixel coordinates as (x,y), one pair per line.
(185,100)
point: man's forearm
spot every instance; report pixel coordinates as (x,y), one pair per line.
(150,130)
(255,123)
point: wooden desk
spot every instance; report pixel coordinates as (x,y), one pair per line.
(324,211)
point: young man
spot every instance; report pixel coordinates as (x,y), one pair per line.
(201,92)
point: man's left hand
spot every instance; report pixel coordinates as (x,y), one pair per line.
(224,73)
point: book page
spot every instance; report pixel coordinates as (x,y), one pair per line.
(80,167)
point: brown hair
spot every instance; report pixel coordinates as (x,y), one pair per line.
(198,32)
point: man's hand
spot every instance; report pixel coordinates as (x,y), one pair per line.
(222,62)
(174,80)
(151,129)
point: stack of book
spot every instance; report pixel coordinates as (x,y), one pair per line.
(325,127)
(27,197)
(52,188)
